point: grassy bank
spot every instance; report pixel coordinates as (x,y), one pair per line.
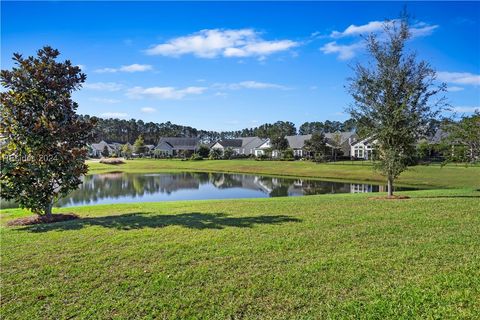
(450,176)
(338,256)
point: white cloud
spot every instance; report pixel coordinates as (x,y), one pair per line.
(459,77)
(82,67)
(103,86)
(148,110)
(417,30)
(164,92)
(372,26)
(105,100)
(464,109)
(455,89)
(129,68)
(422,29)
(249,85)
(345,52)
(211,43)
(114,115)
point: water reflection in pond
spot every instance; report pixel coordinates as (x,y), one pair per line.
(128,187)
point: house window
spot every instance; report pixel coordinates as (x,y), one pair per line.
(358,153)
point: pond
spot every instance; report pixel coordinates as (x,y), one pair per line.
(129,187)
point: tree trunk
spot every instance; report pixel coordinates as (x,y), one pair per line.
(390,186)
(48,210)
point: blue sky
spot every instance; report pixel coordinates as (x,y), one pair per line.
(225,66)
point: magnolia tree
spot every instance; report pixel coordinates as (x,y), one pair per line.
(44,149)
(393,98)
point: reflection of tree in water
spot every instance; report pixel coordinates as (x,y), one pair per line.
(116,185)
(97,187)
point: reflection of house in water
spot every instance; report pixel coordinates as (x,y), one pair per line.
(362,188)
(168,183)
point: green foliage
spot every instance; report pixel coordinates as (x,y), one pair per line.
(126,150)
(464,139)
(203,151)
(317,146)
(288,154)
(196,157)
(215,154)
(228,153)
(44,153)
(279,142)
(393,98)
(139,146)
(105,152)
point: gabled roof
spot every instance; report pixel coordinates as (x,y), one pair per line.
(252,142)
(180,143)
(230,143)
(243,142)
(101,145)
(344,136)
(298,142)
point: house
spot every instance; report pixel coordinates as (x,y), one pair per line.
(297,144)
(240,146)
(363,149)
(172,146)
(96,149)
(264,148)
(342,140)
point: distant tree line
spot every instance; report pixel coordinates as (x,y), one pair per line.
(127,131)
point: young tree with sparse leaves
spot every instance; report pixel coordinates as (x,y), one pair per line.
(126,150)
(393,98)
(44,151)
(139,145)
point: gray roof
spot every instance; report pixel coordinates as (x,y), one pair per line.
(243,142)
(344,136)
(230,143)
(101,145)
(298,142)
(180,143)
(438,136)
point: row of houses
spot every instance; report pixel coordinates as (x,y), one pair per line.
(346,142)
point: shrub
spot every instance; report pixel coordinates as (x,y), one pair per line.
(196,157)
(113,161)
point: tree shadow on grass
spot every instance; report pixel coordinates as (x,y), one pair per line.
(132,221)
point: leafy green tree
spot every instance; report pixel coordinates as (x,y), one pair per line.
(139,145)
(126,150)
(279,142)
(215,154)
(44,151)
(203,151)
(464,139)
(228,153)
(392,98)
(105,152)
(317,145)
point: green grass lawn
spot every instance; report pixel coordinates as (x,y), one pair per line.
(315,257)
(433,176)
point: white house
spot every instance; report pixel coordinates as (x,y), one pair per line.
(363,149)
